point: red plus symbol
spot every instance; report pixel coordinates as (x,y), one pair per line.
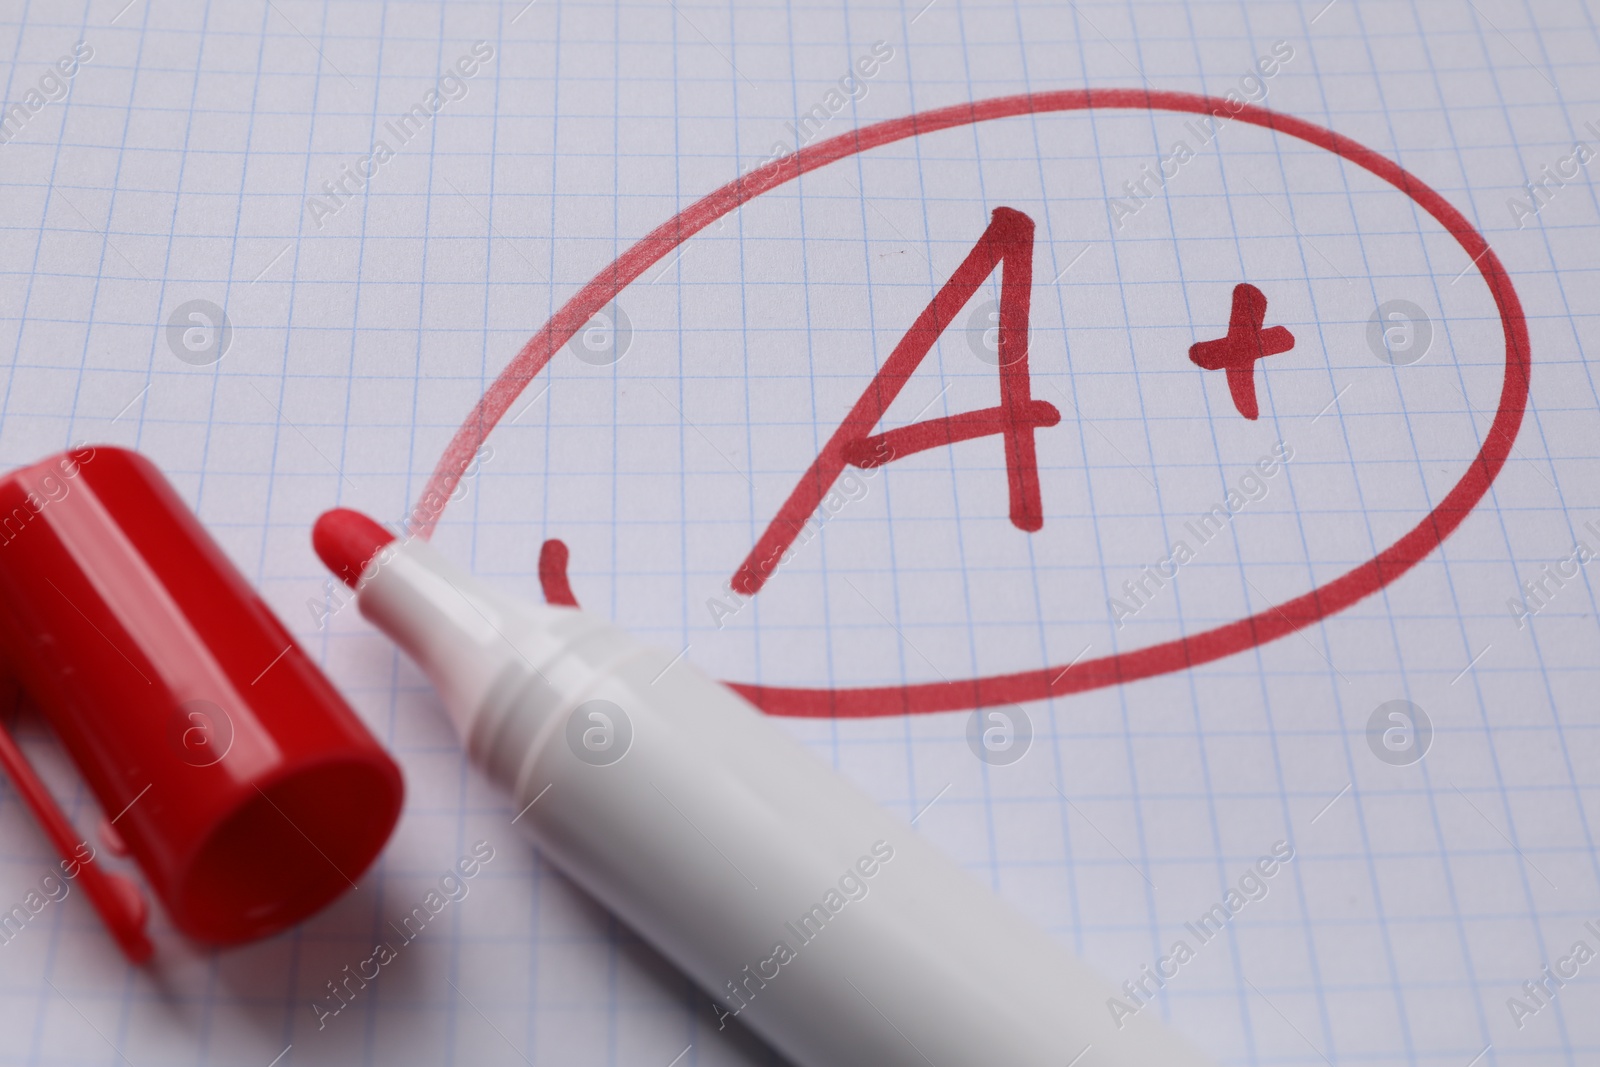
(1246,342)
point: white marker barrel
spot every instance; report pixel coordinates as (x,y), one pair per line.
(813,916)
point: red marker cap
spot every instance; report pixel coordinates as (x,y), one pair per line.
(242,783)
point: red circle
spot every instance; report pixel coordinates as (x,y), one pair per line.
(1268,625)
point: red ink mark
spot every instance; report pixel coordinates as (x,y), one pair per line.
(553,574)
(1222,641)
(875,451)
(1246,342)
(1006,243)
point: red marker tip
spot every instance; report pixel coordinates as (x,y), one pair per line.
(346,541)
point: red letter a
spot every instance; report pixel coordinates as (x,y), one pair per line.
(1007,243)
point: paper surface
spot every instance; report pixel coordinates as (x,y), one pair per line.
(387,200)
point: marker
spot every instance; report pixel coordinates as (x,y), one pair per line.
(806,912)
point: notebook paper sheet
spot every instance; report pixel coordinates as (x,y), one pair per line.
(285,248)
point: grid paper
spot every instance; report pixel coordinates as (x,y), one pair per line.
(186,160)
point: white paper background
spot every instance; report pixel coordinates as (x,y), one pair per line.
(1421,898)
